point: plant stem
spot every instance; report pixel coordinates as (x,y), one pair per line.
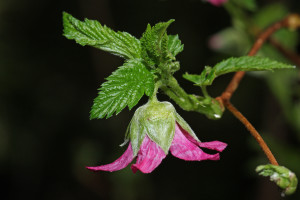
(253,132)
(204,91)
(291,21)
(208,106)
(157,85)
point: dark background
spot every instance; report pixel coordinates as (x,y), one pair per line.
(47,86)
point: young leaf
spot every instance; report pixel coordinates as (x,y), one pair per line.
(244,63)
(124,87)
(282,176)
(195,78)
(92,33)
(174,45)
(152,40)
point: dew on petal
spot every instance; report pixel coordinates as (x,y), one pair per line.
(213,145)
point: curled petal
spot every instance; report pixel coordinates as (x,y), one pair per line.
(184,149)
(149,156)
(214,145)
(118,164)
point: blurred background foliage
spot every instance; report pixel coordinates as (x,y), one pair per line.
(47,85)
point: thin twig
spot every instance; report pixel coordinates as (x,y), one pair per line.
(291,21)
(253,132)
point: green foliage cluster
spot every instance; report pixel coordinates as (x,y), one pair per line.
(145,59)
(149,64)
(283,177)
(237,40)
(92,33)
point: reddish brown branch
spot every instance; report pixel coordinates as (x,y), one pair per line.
(286,52)
(292,21)
(253,132)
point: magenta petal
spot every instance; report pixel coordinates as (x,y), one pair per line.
(217,2)
(184,149)
(149,156)
(118,164)
(214,145)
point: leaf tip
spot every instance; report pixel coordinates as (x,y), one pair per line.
(171,21)
(65,16)
(92,116)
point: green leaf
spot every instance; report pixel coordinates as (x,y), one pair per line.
(247,4)
(124,87)
(286,91)
(92,33)
(174,45)
(154,42)
(270,14)
(244,63)
(248,63)
(195,78)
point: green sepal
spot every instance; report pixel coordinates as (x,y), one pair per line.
(155,42)
(244,63)
(159,121)
(92,33)
(283,177)
(183,124)
(137,130)
(127,135)
(124,87)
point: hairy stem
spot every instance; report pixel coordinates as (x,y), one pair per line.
(208,106)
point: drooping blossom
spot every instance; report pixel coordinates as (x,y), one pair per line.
(217,2)
(155,129)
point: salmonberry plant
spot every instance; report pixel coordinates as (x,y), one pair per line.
(149,64)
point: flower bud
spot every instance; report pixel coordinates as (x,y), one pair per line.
(283,177)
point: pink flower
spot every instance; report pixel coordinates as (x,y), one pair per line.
(217,2)
(150,154)
(150,145)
